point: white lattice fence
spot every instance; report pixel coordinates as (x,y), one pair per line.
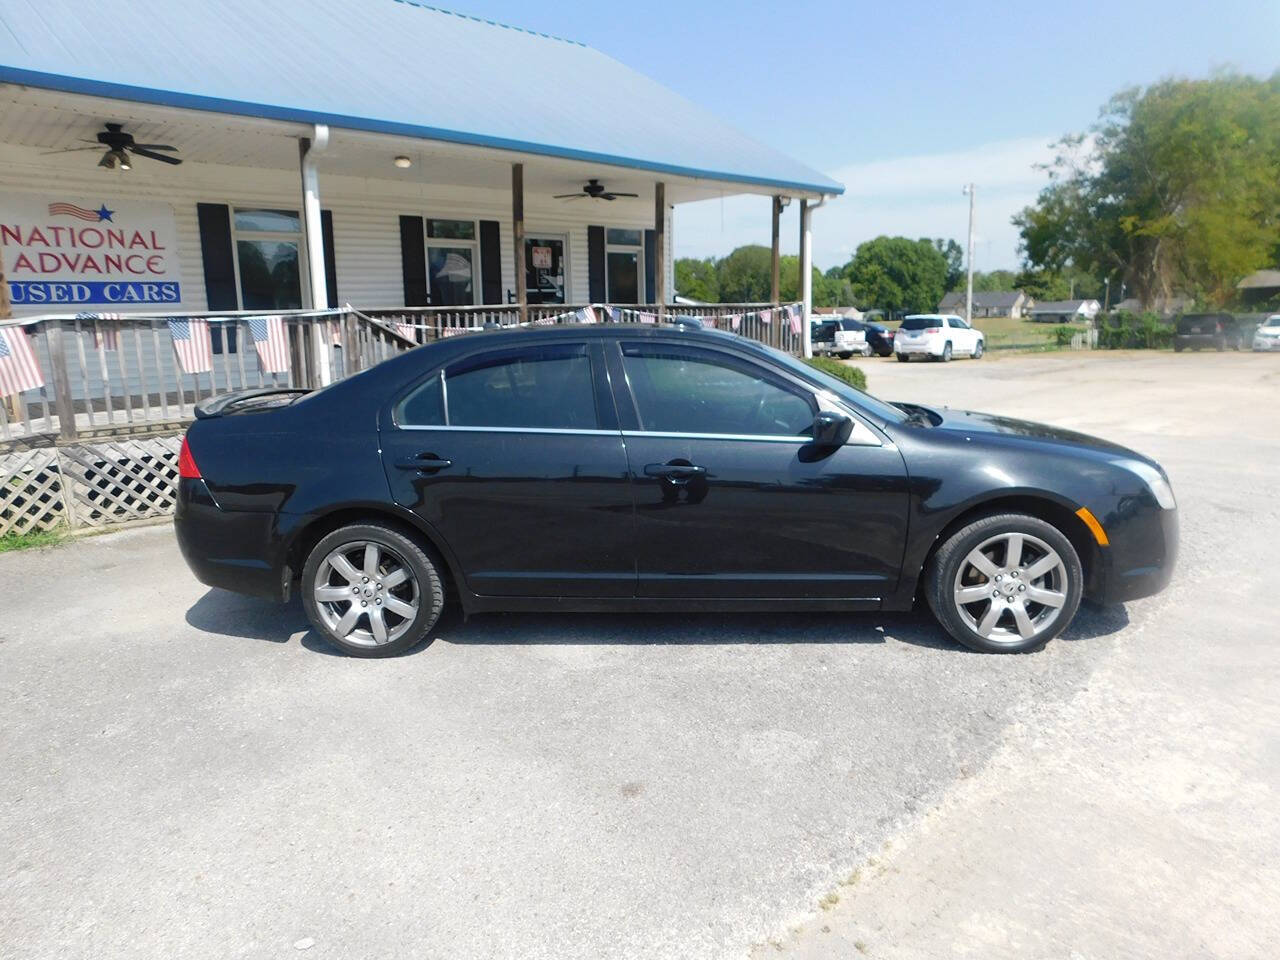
(116,481)
(91,484)
(31,497)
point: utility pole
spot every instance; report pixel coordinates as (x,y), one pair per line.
(971,190)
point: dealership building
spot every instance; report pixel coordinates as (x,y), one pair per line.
(382,154)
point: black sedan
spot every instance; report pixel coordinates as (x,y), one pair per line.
(619,467)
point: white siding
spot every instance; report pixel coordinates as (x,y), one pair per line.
(366,216)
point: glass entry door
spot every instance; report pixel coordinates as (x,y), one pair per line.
(544,269)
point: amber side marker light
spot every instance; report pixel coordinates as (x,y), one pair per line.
(1094,526)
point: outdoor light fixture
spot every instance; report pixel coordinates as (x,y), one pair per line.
(403,162)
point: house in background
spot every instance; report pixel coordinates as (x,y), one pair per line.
(310,160)
(1065,311)
(988,303)
(1260,286)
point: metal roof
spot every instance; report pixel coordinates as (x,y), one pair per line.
(386,66)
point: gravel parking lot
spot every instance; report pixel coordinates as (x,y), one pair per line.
(191,773)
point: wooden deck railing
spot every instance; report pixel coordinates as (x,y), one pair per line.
(114,375)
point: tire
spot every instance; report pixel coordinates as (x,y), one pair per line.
(1178,348)
(420,591)
(946,352)
(1021,624)
(902,357)
(845,354)
(978,350)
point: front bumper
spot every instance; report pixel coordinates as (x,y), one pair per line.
(235,550)
(1266,343)
(1140,560)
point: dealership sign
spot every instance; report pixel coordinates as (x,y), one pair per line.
(72,250)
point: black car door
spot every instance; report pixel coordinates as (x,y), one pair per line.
(515,457)
(732,497)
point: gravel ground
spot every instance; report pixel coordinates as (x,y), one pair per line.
(188,772)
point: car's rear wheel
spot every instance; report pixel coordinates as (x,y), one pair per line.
(1007,583)
(370,590)
(946,353)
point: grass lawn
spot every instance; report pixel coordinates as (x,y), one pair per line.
(24,541)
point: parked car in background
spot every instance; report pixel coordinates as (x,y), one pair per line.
(937,336)
(879,337)
(387,494)
(840,337)
(1267,336)
(1217,330)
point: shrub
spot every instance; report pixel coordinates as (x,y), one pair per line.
(1127,331)
(849,374)
(1062,335)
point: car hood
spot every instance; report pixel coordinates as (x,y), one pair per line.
(974,423)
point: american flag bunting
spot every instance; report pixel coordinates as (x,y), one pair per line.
(192,345)
(271,342)
(19,369)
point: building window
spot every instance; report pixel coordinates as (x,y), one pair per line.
(624,265)
(267,246)
(452,256)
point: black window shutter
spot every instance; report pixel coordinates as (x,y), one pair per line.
(216,253)
(490,261)
(413,262)
(650,265)
(330,258)
(595,264)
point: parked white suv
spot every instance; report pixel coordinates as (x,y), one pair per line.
(1267,336)
(938,336)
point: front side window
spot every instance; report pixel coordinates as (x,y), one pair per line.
(267,258)
(686,390)
(451,262)
(544,387)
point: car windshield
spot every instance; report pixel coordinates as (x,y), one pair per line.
(1272,322)
(920,323)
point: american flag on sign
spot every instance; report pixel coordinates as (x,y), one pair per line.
(191,344)
(72,210)
(18,367)
(271,342)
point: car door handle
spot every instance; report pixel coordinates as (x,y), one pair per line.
(673,471)
(425,462)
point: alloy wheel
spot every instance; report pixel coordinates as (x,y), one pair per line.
(366,593)
(1010,588)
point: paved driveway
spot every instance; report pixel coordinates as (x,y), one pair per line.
(190,773)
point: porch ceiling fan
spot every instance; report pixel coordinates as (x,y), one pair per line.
(594,189)
(119,146)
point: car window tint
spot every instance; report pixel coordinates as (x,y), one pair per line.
(683,390)
(547,387)
(424,407)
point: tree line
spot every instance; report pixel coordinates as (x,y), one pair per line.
(1175,191)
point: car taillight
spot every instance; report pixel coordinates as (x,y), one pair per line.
(187,468)
(934,330)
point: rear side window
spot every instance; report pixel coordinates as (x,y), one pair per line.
(686,390)
(542,387)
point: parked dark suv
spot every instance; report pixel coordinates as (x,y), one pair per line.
(1217,330)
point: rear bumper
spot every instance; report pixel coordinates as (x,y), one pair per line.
(913,349)
(1140,560)
(1198,339)
(234,550)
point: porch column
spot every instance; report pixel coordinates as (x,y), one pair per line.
(517,230)
(806,277)
(660,247)
(308,149)
(775,288)
(6,304)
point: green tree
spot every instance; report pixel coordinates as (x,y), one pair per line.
(1178,190)
(955,262)
(697,279)
(744,276)
(990,282)
(896,274)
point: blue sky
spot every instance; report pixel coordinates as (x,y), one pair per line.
(904,101)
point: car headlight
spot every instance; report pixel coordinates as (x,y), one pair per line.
(1154,479)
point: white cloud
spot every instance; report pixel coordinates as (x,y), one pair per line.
(916,196)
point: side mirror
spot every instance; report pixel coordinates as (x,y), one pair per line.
(831,429)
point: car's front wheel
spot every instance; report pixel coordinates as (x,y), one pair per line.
(1007,583)
(370,590)
(977,350)
(902,357)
